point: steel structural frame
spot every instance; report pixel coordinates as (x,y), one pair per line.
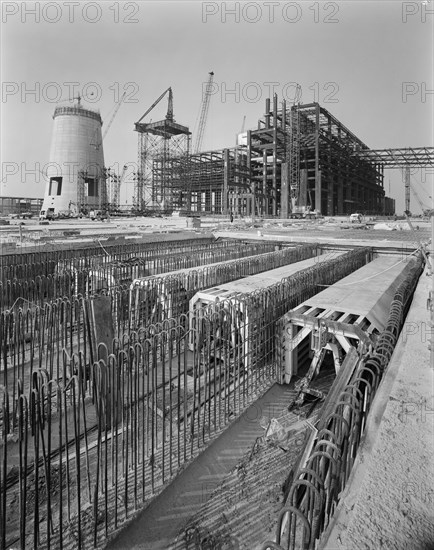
(219,181)
(404,157)
(331,179)
(326,168)
(163,158)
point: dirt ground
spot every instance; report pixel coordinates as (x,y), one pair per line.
(389,500)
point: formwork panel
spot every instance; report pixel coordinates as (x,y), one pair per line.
(349,315)
(259,281)
(365,293)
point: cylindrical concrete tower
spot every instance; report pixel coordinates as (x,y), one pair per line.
(76,179)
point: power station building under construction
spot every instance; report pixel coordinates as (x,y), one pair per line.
(299,158)
(173,389)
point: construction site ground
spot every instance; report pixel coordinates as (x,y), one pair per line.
(23,234)
(230,495)
(389,498)
(388,501)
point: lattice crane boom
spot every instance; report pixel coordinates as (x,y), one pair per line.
(110,122)
(425,209)
(169,115)
(203,113)
(114,115)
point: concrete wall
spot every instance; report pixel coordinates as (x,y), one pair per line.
(76,153)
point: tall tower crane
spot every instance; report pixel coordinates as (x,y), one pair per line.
(410,187)
(243,124)
(142,179)
(425,209)
(203,113)
(110,122)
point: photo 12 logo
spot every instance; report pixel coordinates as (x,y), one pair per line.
(416,91)
(420,330)
(254,92)
(55,92)
(71,12)
(417,10)
(36,172)
(416,411)
(271,12)
(424,174)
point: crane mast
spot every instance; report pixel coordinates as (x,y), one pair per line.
(294,156)
(203,113)
(425,209)
(116,186)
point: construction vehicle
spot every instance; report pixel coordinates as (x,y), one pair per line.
(304,213)
(356,218)
(48,214)
(98,215)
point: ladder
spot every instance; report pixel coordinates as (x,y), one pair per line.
(294,155)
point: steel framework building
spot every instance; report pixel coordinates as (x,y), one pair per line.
(303,157)
(20,205)
(299,158)
(219,181)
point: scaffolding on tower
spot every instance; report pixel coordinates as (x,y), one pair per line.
(81,199)
(161,183)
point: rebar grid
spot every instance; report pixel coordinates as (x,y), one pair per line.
(315,492)
(109,433)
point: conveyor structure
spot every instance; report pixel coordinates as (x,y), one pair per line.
(230,296)
(158,297)
(317,482)
(349,315)
(247,285)
(104,273)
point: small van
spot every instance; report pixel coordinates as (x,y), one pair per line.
(47,215)
(97,215)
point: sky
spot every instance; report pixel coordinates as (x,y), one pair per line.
(369,63)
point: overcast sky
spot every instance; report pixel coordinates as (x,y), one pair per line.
(369,63)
